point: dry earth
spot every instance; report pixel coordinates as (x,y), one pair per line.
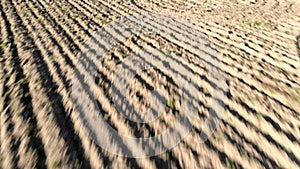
(258,42)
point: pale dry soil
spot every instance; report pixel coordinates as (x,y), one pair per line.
(257,43)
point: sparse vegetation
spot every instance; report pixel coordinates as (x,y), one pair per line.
(3,44)
(297,90)
(167,155)
(168,52)
(55,165)
(40,42)
(253,23)
(259,116)
(229,164)
(171,104)
(52,58)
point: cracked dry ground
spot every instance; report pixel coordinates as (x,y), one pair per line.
(257,42)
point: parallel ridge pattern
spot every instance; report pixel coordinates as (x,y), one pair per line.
(40,40)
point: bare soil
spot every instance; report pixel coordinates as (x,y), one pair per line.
(258,43)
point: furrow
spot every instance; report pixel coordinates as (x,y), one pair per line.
(48,118)
(253,134)
(62,70)
(25,129)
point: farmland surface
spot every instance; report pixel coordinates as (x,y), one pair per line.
(258,44)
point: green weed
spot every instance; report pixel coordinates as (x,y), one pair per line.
(19,114)
(253,24)
(229,163)
(258,23)
(168,52)
(52,57)
(259,116)
(171,104)
(297,90)
(39,81)
(3,45)
(74,17)
(167,155)
(54,165)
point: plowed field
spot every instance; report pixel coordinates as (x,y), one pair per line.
(258,43)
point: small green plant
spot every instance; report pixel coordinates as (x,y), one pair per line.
(297,90)
(52,57)
(257,23)
(171,104)
(229,163)
(167,155)
(39,81)
(18,114)
(168,52)
(54,165)
(74,17)
(3,44)
(253,24)
(259,116)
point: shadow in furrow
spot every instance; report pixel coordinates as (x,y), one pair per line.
(74,144)
(266,162)
(290,154)
(36,142)
(298,45)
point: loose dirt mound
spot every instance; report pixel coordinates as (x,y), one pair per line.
(258,45)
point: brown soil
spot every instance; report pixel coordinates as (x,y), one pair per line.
(258,45)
